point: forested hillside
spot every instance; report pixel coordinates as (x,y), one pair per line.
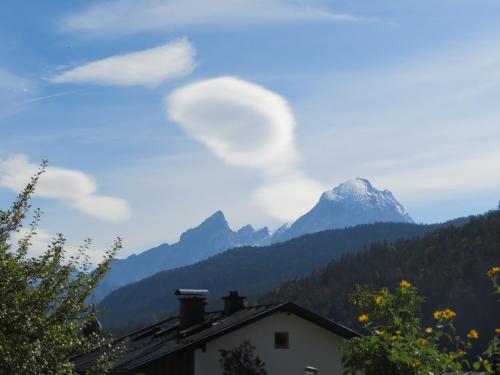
(448,266)
(251,270)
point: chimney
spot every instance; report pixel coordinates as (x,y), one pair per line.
(233,302)
(192,306)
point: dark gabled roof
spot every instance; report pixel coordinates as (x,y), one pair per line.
(165,338)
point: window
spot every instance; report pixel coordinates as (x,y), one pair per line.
(281,340)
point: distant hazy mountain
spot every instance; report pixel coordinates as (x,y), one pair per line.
(351,203)
(212,236)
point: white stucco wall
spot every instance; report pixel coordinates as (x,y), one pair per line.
(310,345)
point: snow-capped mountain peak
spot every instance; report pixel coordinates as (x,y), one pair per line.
(357,187)
(353,202)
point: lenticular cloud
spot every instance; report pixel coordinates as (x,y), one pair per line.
(143,68)
(249,126)
(242,123)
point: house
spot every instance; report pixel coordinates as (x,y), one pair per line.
(287,337)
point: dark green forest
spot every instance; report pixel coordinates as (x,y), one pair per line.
(251,270)
(448,266)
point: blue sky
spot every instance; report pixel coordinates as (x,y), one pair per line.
(154,114)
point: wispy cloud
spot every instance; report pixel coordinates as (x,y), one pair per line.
(127,16)
(144,68)
(248,126)
(69,186)
(13,90)
(42,239)
(471,173)
(50,96)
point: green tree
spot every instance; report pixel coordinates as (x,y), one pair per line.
(241,360)
(45,318)
(397,343)
(490,358)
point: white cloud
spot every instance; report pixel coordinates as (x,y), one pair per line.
(131,16)
(248,126)
(289,196)
(103,207)
(448,179)
(144,68)
(43,239)
(242,123)
(72,187)
(39,242)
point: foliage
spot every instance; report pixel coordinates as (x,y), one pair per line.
(241,360)
(446,265)
(397,343)
(43,308)
(490,358)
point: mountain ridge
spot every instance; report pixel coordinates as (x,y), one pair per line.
(351,203)
(210,237)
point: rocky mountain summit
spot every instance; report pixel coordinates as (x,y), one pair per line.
(351,203)
(211,237)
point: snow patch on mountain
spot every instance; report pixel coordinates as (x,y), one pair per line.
(353,202)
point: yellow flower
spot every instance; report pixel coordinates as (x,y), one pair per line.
(384,290)
(473,334)
(394,338)
(493,271)
(398,332)
(423,342)
(404,284)
(363,318)
(416,364)
(461,353)
(381,332)
(485,362)
(438,314)
(497,330)
(379,300)
(447,314)
(428,330)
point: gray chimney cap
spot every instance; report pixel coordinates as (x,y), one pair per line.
(310,370)
(191,292)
